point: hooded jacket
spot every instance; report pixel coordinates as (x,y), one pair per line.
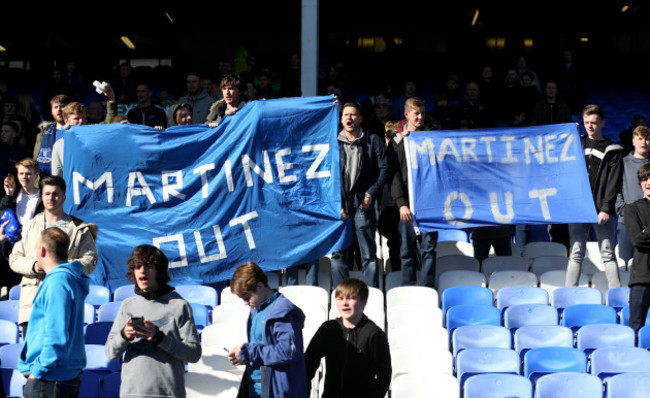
(608,177)
(280,353)
(200,107)
(54,347)
(23,256)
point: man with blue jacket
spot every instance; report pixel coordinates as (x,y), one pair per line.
(53,354)
(364,172)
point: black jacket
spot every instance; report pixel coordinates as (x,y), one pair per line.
(357,361)
(637,225)
(608,178)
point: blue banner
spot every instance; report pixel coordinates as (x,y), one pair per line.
(263,186)
(474,178)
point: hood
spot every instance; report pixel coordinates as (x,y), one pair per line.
(75,270)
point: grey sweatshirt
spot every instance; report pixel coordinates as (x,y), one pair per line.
(155,370)
(630,190)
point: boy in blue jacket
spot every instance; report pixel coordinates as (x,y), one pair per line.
(53,354)
(275,364)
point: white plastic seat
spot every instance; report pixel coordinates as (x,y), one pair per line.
(456,262)
(409,337)
(501,279)
(460,278)
(302,295)
(227,297)
(451,247)
(422,384)
(548,263)
(551,280)
(503,263)
(218,384)
(433,360)
(402,315)
(599,280)
(539,249)
(406,295)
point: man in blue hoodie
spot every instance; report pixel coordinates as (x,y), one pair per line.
(53,354)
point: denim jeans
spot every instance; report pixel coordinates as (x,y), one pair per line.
(606,235)
(364,226)
(625,247)
(311,277)
(639,304)
(37,388)
(409,255)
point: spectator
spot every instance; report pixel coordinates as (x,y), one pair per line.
(630,191)
(273,355)
(82,243)
(473,109)
(356,352)
(183,115)
(146,112)
(264,89)
(196,96)
(626,135)
(153,331)
(605,169)
(53,354)
(124,84)
(233,98)
(49,134)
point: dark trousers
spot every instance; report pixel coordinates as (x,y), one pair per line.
(37,388)
(639,304)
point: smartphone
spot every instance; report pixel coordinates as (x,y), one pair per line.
(137,321)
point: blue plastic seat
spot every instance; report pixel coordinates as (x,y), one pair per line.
(568,384)
(111,385)
(468,314)
(458,295)
(97,333)
(457,235)
(497,385)
(544,360)
(617,297)
(9,354)
(606,362)
(123,292)
(520,315)
(591,337)
(201,294)
(201,317)
(14,292)
(98,363)
(628,385)
(473,361)
(9,310)
(571,295)
(13,382)
(513,295)
(108,311)
(579,315)
(644,337)
(8,332)
(98,295)
(480,336)
(90,385)
(535,336)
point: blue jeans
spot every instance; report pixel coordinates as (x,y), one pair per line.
(364,226)
(409,255)
(625,247)
(37,388)
(606,235)
(311,278)
(639,304)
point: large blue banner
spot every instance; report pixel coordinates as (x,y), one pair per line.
(474,178)
(263,187)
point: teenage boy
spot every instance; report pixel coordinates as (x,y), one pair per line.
(53,353)
(357,356)
(414,111)
(233,99)
(605,169)
(630,191)
(275,364)
(637,224)
(74,114)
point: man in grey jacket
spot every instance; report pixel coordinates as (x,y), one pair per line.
(197,97)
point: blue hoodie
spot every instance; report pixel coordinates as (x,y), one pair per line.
(54,347)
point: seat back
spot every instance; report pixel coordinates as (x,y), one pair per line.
(473,361)
(543,360)
(8,332)
(490,265)
(9,310)
(470,314)
(513,295)
(591,337)
(628,385)
(501,279)
(201,294)
(569,384)
(520,315)
(480,336)
(571,295)
(580,315)
(535,336)
(123,292)
(97,333)
(458,295)
(606,362)
(455,278)
(9,354)
(108,311)
(497,385)
(98,295)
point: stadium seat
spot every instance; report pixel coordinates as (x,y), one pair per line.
(542,249)
(473,361)
(8,332)
(14,292)
(571,295)
(520,315)
(480,336)
(429,359)
(542,264)
(606,362)
(111,385)
(617,297)
(9,310)
(455,278)
(579,315)
(402,315)
(459,295)
(552,280)
(500,279)
(90,385)
(227,297)
(123,292)
(503,263)
(568,384)
(592,337)
(98,363)
(449,248)
(303,296)
(98,295)
(599,280)
(200,294)
(513,295)
(13,382)
(393,280)
(544,360)
(411,295)
(536,336)
(455,262)
(201,315)
(497,385)
(628,385)
(9,354)
(90,313)
(97,333)
(420,385)
(215,358)
(470,314)
(215,384)
(410,337)
(108,311)
(644,337)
